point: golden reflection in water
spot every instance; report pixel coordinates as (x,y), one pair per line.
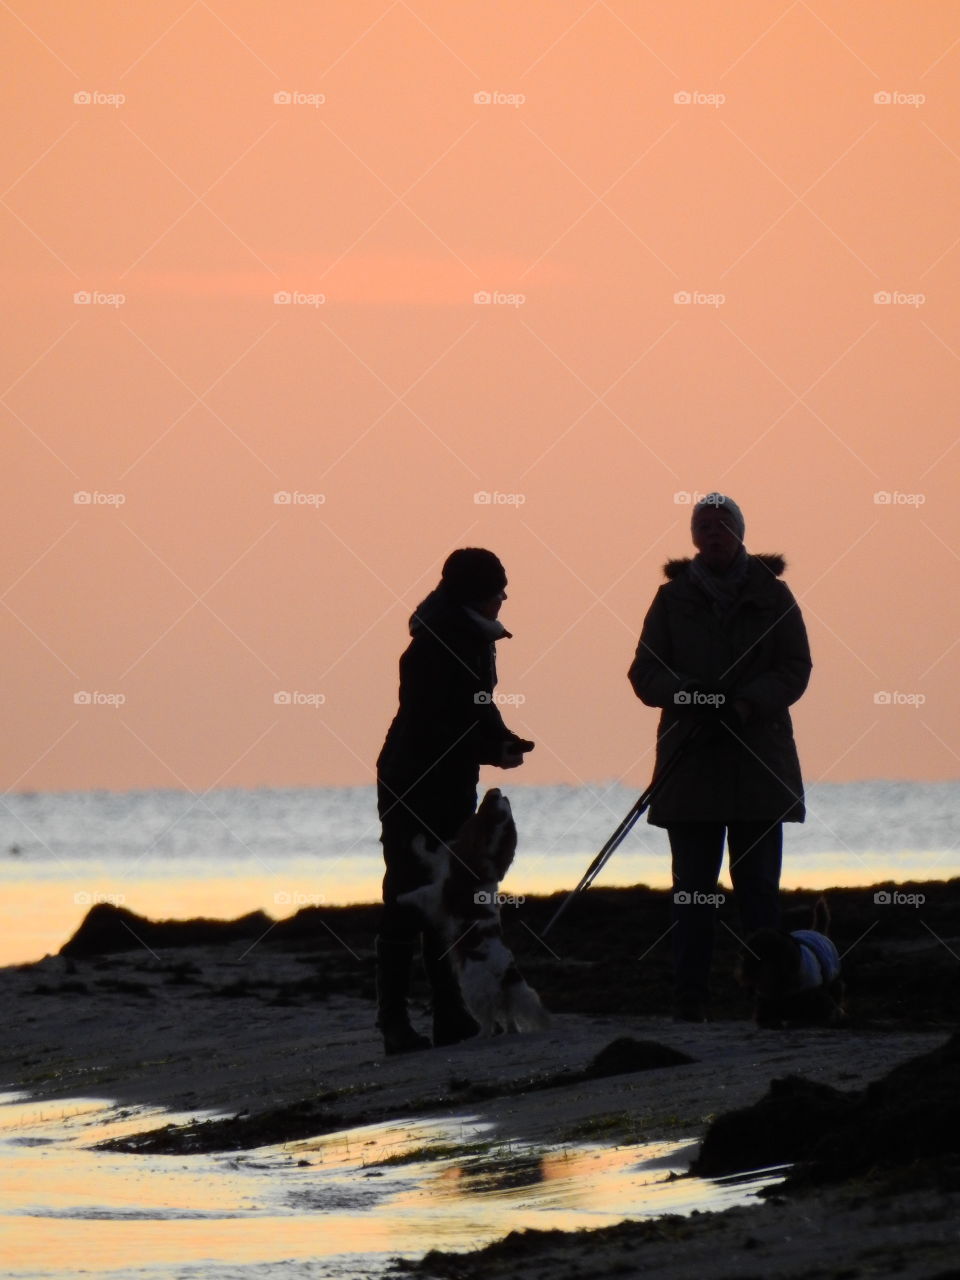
(102,1212)
(37,916)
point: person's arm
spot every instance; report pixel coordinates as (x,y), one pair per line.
(456,714)
(771,692)
(652,674)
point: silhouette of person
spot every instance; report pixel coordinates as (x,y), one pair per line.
(723,647)
(447,725)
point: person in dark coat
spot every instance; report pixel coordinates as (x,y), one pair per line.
(447,725)
(724,653)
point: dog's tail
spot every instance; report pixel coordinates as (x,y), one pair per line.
(523,1007)
(821,916)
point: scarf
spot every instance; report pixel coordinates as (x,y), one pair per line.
(492,628)
(721,589)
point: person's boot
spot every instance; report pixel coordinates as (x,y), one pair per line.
(394,962)
(452,1020)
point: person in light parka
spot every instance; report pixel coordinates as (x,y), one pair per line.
(724,653)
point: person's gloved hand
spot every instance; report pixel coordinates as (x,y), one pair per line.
(513,751)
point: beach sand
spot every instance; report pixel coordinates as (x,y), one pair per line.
(272,1026)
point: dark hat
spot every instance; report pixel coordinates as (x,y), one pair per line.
(471,574)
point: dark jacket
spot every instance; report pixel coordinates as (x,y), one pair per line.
(447,723)
(757,652)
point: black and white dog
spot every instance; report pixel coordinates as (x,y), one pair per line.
(461,902)
(795,976)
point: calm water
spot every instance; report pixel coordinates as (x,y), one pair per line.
(170,854)
(325,1207)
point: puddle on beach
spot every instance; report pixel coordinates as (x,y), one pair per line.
(341,1205)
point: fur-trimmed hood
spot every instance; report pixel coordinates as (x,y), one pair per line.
(774,564)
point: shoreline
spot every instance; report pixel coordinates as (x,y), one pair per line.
(274,1030)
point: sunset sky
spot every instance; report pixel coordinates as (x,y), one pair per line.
(721,249)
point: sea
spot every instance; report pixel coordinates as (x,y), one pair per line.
(171,854)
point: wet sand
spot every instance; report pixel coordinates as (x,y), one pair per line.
(272,1026)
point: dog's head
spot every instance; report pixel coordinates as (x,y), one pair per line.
(487,842)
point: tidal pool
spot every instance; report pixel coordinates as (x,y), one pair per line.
(341,1205)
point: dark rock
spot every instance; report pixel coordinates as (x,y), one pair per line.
(909,1120)
(626,1054)
(107,928)
(776,1130)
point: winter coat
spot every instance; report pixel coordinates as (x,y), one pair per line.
(447,723)
(758,652)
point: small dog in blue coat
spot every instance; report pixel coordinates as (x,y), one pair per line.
(795,976)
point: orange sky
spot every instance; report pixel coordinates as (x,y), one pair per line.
(782,196)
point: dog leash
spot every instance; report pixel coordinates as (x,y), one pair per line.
(624,829)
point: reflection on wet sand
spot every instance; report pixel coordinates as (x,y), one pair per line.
(369,1193)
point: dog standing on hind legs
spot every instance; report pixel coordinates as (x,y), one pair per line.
(795,976)
(461,905)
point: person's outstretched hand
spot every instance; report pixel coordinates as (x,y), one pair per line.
(513,751)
